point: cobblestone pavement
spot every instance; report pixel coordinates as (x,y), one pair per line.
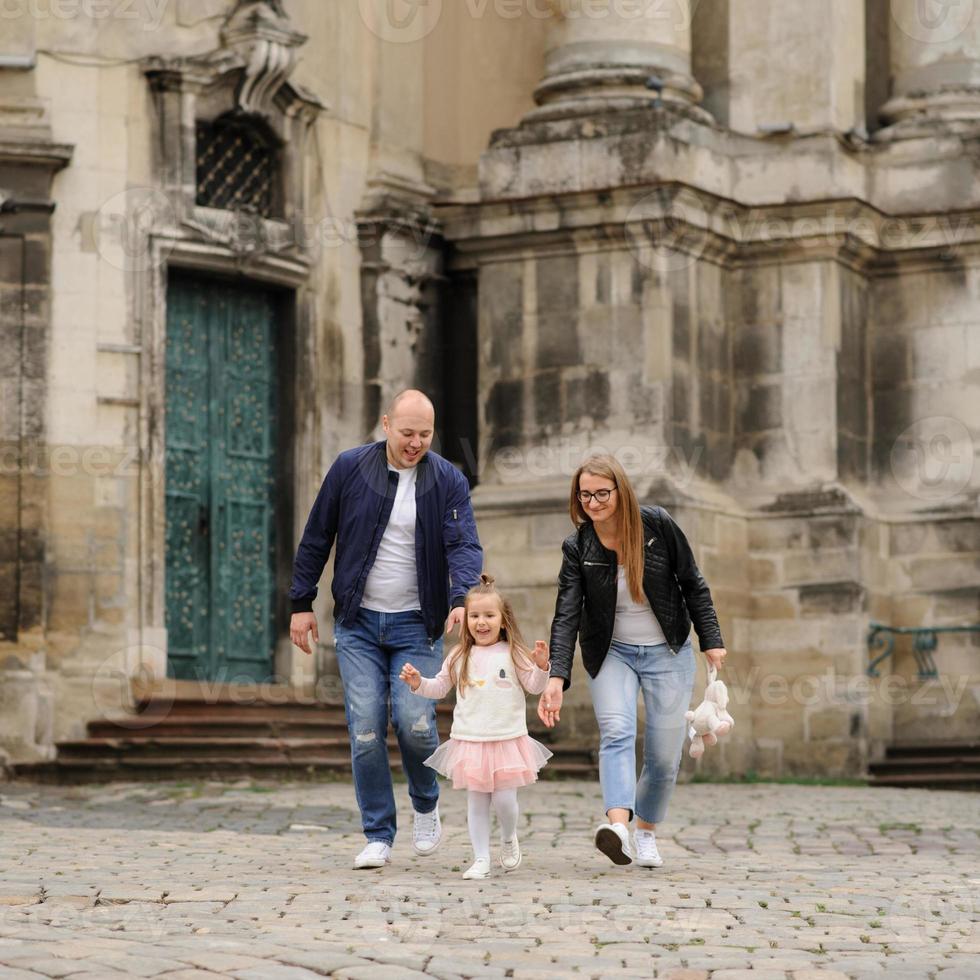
(246,880)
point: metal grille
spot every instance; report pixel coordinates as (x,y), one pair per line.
(236,167)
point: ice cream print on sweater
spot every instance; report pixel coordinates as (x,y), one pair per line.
(500,679)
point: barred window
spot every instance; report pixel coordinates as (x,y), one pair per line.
(237,165)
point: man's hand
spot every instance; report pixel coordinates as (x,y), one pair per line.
(540,654)
(411,677)
(716,657)
(456,617)
(300,626)
(549,705)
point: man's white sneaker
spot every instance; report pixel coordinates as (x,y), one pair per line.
(376,855)
(426,832)
(613,839)
(510,854)
(480,868)
(647,855)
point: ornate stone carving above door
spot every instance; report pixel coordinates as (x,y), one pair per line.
(245,81)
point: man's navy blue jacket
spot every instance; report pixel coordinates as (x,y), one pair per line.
(353,507)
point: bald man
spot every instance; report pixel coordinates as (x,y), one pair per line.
(407,552)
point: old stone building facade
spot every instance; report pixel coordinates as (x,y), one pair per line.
(735,242)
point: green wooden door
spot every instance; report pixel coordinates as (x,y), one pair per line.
(220,471)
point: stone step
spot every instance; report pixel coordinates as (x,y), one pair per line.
(928,764)
(932,749)
(219,765)
(185,712)
(222,737)
(932,780)
(221,728)
(249,748)
(223,719)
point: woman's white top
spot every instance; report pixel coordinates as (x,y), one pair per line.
(635,622)
(492,707)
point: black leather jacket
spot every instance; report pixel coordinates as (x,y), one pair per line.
(586,605)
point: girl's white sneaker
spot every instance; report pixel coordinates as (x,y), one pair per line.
(480,868)
(647,855)
(510,854)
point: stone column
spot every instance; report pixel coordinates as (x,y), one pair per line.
(782,66)
(935,64)
(600,55)
(401,257)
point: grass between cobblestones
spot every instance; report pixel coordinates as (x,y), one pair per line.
(751,778)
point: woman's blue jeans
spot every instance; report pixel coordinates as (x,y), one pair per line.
(371,652)
(666,680)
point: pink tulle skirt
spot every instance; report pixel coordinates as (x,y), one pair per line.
(486,766)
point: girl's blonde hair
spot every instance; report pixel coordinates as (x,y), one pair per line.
(459,659)
(629,519)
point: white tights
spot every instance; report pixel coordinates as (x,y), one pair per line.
(478,817)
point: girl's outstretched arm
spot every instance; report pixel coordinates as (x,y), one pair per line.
(436,687)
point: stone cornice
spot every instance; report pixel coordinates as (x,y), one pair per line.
(37,152)
(666,146)
(711,228)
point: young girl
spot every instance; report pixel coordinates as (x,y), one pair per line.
(489,752)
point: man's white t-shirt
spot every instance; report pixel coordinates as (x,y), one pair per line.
(392,584)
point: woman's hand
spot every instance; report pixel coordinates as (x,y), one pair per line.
(549,705)
(541,655)
(411,677)
(716,657)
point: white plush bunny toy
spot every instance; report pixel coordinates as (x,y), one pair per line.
(710,720)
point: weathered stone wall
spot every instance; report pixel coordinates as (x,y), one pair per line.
(935,567)
(804,636)
(81,563)
(29,157)
(777,333)
(773,395)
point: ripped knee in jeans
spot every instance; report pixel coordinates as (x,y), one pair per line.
(421,725)
(365,741)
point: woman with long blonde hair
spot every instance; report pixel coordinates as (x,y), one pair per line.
(628,591)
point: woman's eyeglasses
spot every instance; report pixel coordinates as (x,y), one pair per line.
(601,496)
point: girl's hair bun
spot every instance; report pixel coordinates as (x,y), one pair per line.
(487,580)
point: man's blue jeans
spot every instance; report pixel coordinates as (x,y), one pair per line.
(666,680)
(371,652)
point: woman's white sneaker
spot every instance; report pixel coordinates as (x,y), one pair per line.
(510,854)
(613,839)
(376,855)
(480,868)
(426,832)
(647,855)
